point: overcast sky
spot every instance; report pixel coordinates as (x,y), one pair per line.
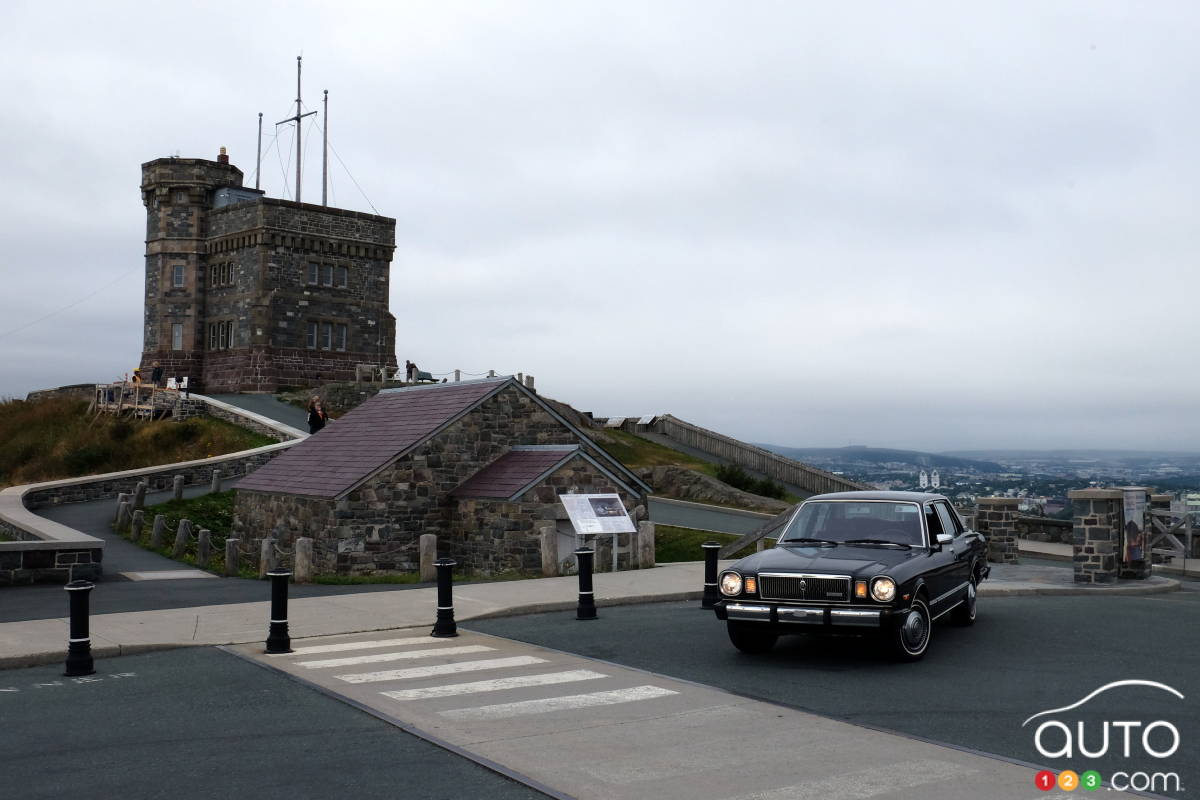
(929,225)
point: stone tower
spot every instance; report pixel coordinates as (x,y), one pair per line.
(250,293)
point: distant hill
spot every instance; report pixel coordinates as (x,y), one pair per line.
(1103,455)
(827,456)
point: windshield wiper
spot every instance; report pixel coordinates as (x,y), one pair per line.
(878,541)
(809,541)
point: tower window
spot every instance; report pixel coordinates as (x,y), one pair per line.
(312,336)
(339,336)
(327,275)
(343,277)
(179,276)
(177,336)
(314,270)
(212,336)
(326,336)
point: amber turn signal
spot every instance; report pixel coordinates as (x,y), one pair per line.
(860,589)
(751,585)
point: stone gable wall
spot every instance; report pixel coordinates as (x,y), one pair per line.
(376,527)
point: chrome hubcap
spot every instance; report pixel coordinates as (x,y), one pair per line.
(915,630)
(971,597)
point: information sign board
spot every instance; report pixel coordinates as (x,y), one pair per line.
(597,513)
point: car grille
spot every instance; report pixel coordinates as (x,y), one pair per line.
(804,587)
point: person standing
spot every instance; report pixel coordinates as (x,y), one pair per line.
(316,415)
(412,371)
(156,375)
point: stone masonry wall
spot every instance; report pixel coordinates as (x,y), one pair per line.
(51,566)
(996,519)
(1097,517)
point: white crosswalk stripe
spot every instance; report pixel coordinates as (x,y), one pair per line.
(347,646)
(414,673)
(495,685)
(375,658)
(549,704)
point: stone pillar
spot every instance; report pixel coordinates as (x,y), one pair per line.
(177,488)
(136,526)
(216,481)
(181,539)
(548,537)
(427,549)
(203,548)
(231,558)
(159,533)
(303,571)
(996,519)
(123,497)
(457,375)
(645,544)
(1135,511)
(139,495)
(123,514)
(638,514)
(1094,536)
(266,557)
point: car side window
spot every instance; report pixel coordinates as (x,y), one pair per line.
(934,524)
(949,519)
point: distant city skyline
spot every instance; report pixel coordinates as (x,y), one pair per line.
(954,228)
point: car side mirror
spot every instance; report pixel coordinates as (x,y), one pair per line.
(944,539)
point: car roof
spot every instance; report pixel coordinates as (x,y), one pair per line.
(895,497)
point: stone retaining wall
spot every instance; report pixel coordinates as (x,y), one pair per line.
(1044,529)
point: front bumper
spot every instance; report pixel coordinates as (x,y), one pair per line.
(785,616)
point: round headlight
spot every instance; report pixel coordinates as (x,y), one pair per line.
(731,583)
(883,590)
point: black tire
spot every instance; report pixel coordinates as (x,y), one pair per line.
(964,613)
(910,639)
(749,640)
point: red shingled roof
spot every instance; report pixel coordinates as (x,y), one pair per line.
(513,471)
(366,439)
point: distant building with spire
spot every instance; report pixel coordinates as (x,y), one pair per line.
(923,480)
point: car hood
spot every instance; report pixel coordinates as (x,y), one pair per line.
(860,561)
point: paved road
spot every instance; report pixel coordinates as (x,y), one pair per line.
(597,731)
(974,688)
(705,518)
(269,406)
(200,723)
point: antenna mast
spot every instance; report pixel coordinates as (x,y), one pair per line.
(258,156)
(325,154)
(298,119)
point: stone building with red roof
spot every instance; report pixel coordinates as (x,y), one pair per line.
(479,463)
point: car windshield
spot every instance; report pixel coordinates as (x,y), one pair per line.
(841,521)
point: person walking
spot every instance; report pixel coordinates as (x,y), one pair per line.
(316,415)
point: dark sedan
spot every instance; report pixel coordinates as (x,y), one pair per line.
(882,563)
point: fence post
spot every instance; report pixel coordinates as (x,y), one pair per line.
(123,515)
(216,481)
(548,535)
(266,557)
(159,533)
(181,539)
(177,488)
(304,559)
(278,640)
(139,495)
(203,548)
(710,574)
(136,525)
(457,375)
(586,609)
(79,643)
(427,553)
(645,544)
(444,627)
(231,558)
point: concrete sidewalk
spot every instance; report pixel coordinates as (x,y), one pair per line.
(44,641)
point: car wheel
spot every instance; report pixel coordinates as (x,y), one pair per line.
(910,638)
(964,612)
(749,640)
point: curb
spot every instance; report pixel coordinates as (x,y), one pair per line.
(1167,585)
(98,651)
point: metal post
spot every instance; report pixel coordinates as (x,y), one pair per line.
(587,598)
(445,626)
(325,154)
(258,157)
(278,640)
(79,645)
(299,125)
(711,596)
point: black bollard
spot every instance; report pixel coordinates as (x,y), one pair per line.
(445,626)
(79,645)
(711,595)
(278,640)
(587,598)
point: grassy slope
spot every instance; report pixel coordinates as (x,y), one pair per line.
(683,544)
(57,438)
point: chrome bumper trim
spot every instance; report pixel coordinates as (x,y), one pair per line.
(742,611)
(846,616)
(810,616)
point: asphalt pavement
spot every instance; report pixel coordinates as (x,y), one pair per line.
(201,723)
(269,406)
(973,689)
(704,517)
